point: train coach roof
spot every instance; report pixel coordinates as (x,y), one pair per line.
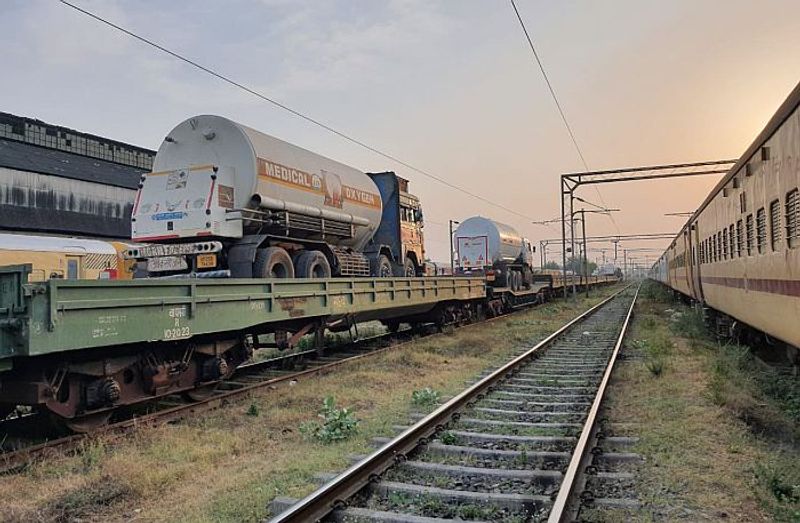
(21,242)
(784,111)
(33,158)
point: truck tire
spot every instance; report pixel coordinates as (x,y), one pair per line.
(312,264)
(273,262)
(409,268)
(380,267)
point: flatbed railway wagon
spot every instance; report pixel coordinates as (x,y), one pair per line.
(739,253)
(81,349)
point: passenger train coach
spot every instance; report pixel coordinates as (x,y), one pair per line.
(739,253)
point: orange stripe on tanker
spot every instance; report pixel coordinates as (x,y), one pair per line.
(326,183)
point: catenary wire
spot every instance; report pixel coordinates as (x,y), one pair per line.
(558,104)
(295,112)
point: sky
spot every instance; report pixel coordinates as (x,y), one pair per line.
(449,87)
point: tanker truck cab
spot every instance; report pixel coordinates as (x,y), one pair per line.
(397,248)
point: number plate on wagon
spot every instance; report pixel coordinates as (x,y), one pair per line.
(167,263)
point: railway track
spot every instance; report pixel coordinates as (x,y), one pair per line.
(517,445)
(26,438)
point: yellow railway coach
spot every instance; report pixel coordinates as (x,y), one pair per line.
(739,254)
(63,257)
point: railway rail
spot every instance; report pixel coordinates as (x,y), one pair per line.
(514,446)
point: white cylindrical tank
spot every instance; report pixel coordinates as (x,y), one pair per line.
(482,242)
(272,174)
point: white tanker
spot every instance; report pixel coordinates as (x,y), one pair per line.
(496,249)
(226,200)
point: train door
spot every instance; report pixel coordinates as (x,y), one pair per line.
(73,267)
(688,266)
(694,241)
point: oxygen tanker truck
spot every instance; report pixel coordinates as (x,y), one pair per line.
(225,200)
(484,246)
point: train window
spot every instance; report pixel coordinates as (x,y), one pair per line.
(739,242)
(743,202)
(732,241)
(72,269)
(719,246)
(725,243)
(761,230)
(775,224)
(792,210)
(749,223)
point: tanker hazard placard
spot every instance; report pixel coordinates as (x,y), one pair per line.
(327,184)
(473,251)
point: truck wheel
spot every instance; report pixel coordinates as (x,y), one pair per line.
(312,264)
(409,269)
(380,267)
(273,262)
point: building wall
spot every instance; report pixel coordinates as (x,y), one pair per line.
(44,203)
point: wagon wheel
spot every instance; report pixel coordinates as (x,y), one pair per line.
(201,393)
(82,424)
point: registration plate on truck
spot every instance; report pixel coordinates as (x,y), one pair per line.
(167,263)
(206,261)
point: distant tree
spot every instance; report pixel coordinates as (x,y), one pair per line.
(552,265)
(576,266)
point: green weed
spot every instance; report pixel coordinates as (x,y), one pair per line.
(690,324)
(781,480)
(448,438)
(655,366)
(425,397)
(337,424)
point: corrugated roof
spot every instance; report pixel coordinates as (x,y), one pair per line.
(26,242)
(27,157)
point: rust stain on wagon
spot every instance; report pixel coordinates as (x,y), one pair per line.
(294,306)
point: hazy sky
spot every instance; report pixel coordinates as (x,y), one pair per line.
(447,86)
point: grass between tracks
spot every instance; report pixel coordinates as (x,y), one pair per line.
(719,433)
(228,465)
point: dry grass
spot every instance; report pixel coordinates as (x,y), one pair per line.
(704,461)
(227,466)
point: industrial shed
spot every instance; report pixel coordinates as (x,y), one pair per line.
(55,180)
